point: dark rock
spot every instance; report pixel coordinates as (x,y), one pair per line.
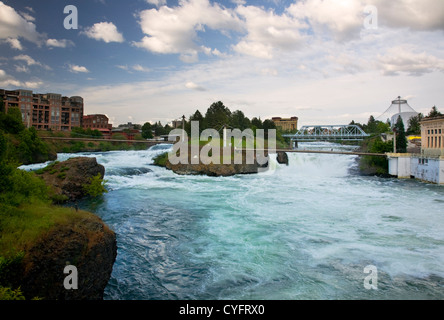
(214,170)
(89,245)
(282,157)
(68,178)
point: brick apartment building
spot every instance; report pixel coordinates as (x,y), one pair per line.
(97,122)
(45,111)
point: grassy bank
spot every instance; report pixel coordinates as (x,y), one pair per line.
(26,216)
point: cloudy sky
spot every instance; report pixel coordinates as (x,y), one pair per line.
(325,61)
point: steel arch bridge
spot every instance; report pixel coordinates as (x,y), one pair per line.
(328,133)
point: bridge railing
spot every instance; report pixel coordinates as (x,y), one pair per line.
(328,132)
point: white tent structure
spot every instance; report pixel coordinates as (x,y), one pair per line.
(398,108)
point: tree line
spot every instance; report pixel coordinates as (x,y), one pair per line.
(216,117)
(375,128)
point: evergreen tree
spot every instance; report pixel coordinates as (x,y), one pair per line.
(256,123)
(217,115)
(371,125)
(434,112)
(401,140)
(414,125)
(238,120)
(147,131)
(196,116)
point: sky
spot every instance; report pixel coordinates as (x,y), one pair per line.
(324,61)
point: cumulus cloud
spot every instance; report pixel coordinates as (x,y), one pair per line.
(402,60)
(14,43)
(267,32)
(194,86)
(416,15)
(30,61)
(342,19)
(59,43)
(13,25)
(157,3)
(27,16)
(9,81)
(77,69)
(104,31)
(174,30)
(21,69)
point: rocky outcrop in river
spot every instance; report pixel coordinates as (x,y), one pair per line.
(68,178)
(86,243)
(215,170)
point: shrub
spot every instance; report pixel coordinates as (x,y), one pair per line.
(96,187)
(10,268)
(161,159)
(9,294)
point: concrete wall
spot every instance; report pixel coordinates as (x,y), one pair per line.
(429,169)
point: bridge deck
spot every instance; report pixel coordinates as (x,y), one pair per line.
(328,132)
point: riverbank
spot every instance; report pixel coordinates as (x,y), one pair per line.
(38,239)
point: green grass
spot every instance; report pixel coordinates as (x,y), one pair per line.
(23,226)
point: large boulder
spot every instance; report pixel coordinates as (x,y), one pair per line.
(69,177)
(282,157)
(86,243)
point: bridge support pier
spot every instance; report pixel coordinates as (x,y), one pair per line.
(293,144)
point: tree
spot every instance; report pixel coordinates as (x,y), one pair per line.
(158,129)
(434,113)
(217,116)
(256,122)
(196,116)
(12,121)
(268,125)
(167,129)
(238,120)
(371,125)
(414,125)
(2,105)
(147,131)
(401,140)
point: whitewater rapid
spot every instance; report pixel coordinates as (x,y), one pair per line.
(303,231)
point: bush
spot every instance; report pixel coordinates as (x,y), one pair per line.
(161,159)
(96,187)
(31,146)
(379,164)
(12,121)
(9,294)
(20,186)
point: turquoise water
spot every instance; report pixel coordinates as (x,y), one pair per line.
(303,231)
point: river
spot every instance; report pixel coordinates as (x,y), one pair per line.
(309,230)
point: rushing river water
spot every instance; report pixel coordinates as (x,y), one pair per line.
(303,231)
